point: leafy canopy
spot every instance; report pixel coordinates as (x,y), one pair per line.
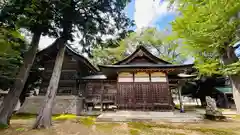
(32,15)
(12,46)
(207,28)
(151,38)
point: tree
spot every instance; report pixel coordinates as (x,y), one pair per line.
(150,38)
(209,29)
(12,47)
(91,18)
(35,16)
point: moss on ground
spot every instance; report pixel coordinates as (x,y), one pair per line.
(134,131)
(106,126)
(23,116)
(3,126)
(149,126)
(87,121)
(64,117)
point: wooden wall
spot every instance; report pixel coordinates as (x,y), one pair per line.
(95,91)
(72,70)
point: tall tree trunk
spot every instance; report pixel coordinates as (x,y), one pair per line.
(229,57)
(235,81)
(11,99)
(44,119)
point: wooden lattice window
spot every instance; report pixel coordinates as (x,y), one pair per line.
(93,88)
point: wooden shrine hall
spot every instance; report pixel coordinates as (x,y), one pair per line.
(141,81)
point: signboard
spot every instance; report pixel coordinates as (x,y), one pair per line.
(141,77)
(125,77)
(142,74)
(125,74)
(158,74)
(158,79)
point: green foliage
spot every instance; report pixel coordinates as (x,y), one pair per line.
(11,49)
(151,38)
(32,15)
(91,20)
(208,29)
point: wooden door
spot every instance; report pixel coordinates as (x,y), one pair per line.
(125,96)
(143,95)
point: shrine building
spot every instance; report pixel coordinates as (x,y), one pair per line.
(141,81)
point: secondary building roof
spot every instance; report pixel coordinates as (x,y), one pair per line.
(226,89)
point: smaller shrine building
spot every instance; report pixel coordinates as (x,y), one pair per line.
(141,81)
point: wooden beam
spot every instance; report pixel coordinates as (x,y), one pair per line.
(180,96)
(102,94)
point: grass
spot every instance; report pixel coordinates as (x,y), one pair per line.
(149,126)
(25,116)
(106,126)
(87,121)
(236,117)
(3,126)
(134,131)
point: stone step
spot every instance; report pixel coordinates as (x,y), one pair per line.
(124,119)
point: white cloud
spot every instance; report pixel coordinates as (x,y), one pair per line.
(147,11)
(45,41)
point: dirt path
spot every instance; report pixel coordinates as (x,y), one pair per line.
(90,127)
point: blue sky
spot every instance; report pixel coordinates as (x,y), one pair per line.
(150,13)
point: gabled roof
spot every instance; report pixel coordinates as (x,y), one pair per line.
(142,51)
(51,50)
(79,57)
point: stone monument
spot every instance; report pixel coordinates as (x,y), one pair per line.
(212,111)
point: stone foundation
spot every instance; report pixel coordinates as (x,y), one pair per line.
(62,104)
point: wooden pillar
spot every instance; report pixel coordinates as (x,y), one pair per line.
(102,94)
(180,96)
(197,101)
(226,100)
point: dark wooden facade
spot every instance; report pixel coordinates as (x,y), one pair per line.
(74,67)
